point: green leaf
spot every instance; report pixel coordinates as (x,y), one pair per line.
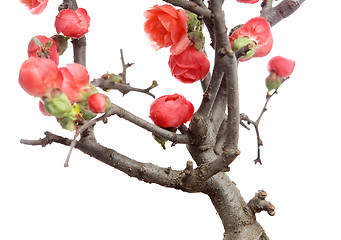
(48,44)
(37,42)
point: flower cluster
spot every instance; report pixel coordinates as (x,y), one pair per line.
(64,92)
(166,26)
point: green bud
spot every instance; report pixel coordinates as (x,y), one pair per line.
(58,105)
(241,42)
(198,39)
(273,81)
(87,92)
(48,44)
(61,43)
(87,114)
(192,21)
(162,141)
(67,123)
(115,78)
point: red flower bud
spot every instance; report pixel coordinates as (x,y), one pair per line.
(36,6)
(98,103)
(166,26)
(38,76)
(189,66)
(247,1)
(73,24)
(34,50)
(258,30)
(171,111)
(283,67)
(76,79)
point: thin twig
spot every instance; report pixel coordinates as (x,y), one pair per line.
(83,128)
(124,67)
(244,117)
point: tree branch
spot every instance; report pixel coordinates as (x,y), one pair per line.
(146,172)
(222,47)
(173,137)
(284,9)
(244,117)
(192,7)
(122,87)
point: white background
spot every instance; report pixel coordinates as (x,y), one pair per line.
(40,199)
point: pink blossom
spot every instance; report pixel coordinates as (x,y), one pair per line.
(258,30)
(283,67)
(76,79)
(166,26)
(189,66)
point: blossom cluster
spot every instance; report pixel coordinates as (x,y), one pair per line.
(64,92)
(166,26)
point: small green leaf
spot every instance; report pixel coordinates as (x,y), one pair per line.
(48,44)
(37,42)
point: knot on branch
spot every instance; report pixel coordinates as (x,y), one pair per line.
(258,203)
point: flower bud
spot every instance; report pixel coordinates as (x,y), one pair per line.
(98,103)
(171,111)
(273,81)
(112,77)
(58,105)
(38,76)
(47,50)
(67,123)
(73,24)
(241,42)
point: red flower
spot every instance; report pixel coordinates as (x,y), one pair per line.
(258,30)
(247,1)
(36,6)
(38,76)
(98,103)
(76,79)
(283,67)
(167,26)
(73,24)
(52,51)
(189,66)
(171,111)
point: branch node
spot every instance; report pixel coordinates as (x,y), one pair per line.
(258,204)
